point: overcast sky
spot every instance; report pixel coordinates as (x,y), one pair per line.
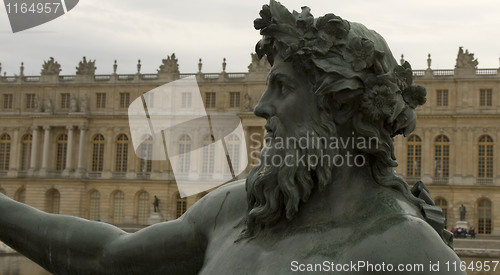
(151,30)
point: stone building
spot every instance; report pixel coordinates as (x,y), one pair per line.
(65,144)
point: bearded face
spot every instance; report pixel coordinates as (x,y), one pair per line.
(295,158)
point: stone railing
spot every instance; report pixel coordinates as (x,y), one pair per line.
(448,73)
(104,78)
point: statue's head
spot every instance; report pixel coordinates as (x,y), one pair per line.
(329,78)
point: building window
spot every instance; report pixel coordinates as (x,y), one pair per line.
(184,153)
(442,157)
(485,160)
(118,207)
(186,100)
(30,101)
(146,155)
(53,201)
(20,195)
(95,205)
(234,99)
(143,208)
(101,100)
(443,204)
(4,152)
(210,100)
(121,153)
(442,97)
(65,101)
(414,156)
(124,100)
(7,101)
(181,206)
(233,149)
(62,148)
(208,155)
(26,145)
(484,216)
(98,153)
(485,97)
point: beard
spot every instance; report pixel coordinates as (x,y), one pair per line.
(287,172)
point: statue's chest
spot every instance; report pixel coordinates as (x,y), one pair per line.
(294,253)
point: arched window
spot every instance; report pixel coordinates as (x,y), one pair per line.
(233,149)
(143,208)
(118,207)
(62,147)
(184,153)
(146,151)
(441,202)
(26,145)
(98,152)
(484,216)
(53,201)
(442,158)
(4,152)
(94,205)
(414,156)
(485,159)
(181,206)
(20,195)
(121,153)
(207,166)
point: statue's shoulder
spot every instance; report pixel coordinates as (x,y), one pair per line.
(405,239)
(226,202)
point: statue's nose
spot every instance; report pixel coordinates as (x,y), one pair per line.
(263,109)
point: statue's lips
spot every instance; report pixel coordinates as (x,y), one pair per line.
(270,132)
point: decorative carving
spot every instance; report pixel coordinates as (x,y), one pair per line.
(259,65)
(466,60)
(48,107)
(73,105)
(86,67)
(170,65)
(84,104)
(50,67)
(247,104)
(38,104)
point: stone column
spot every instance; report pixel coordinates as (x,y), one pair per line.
(427,157)
(81,151)
(45,152)
(15,150)
(69,151)
(34,150)
(109,152)
(14,154)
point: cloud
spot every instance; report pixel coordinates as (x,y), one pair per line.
(211,30)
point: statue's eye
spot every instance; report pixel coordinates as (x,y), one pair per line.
(283,87)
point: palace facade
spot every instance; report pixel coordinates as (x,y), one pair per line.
(65,143)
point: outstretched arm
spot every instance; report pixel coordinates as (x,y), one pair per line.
(70,245)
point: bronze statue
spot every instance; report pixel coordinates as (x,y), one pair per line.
(462,212)
(337,96)
(156,204)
